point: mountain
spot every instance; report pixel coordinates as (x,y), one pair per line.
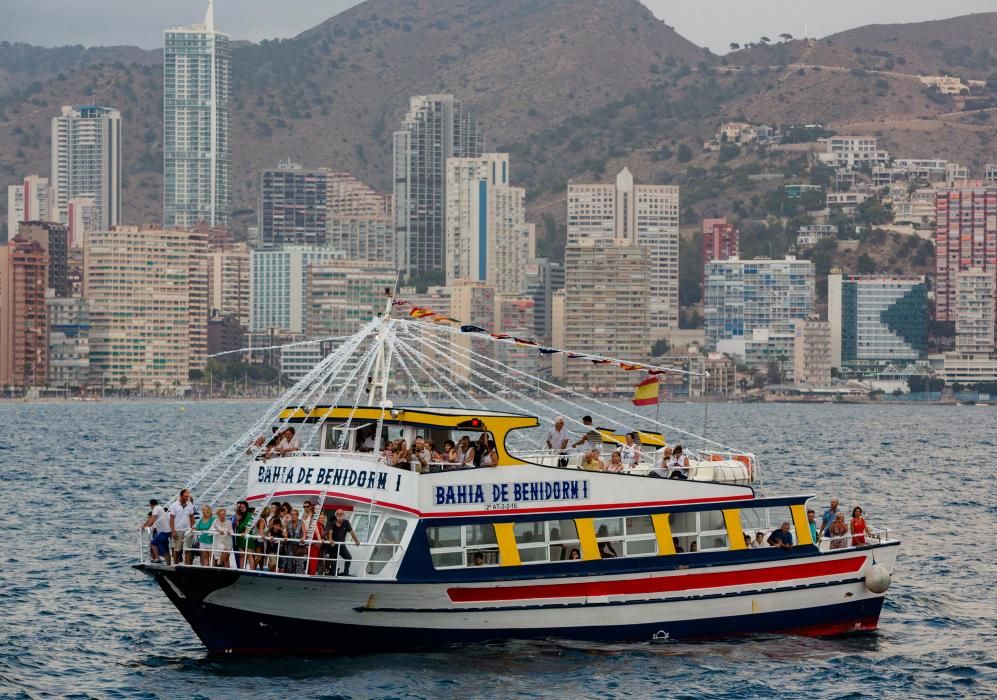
(571,88)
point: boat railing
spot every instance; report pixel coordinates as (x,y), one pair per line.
(849,541)
(280,556)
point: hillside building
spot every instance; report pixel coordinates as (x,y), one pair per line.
(720,241)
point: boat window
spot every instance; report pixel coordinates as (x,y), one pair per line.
(563,539)
(531,541)
(363,525)
(699,531)
(391,534)
(454,546)
(765,520)
(640,537)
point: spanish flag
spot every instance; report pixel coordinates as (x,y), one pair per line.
(646,393)
(419,312)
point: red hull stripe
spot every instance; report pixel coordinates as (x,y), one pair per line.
(517,511)
(661,584)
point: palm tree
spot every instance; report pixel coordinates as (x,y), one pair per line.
(765,40)
(786,37)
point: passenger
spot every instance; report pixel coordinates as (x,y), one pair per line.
(812,522)
(479,559)
(480,449)
(289,443)
(557,440)
(158,523)
(677,546)
(828,518)
(747,541)
(241,520)
(838,532)
(368,443)
(205,540)
(591,461)
(437,455)
(781,538)
(295,534)
(275,543)
(450,452)
(661,459)
(257,445)
(575,555)
(181,521)
(759,541)
(678,465)
(630,452)
(422,453)
(257,560)
(403,458)
(490,456)
(615,463)
(591,435)
(694,547)
(272,443)
(465,451)
(221,550)
(311,524)
(284,513)
(338,530)
(857,527)
(606,550)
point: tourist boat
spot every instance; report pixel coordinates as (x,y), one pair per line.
(530,547)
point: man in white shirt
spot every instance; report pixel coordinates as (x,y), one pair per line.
(158,523)
(557,440)
(181,526)
(368,444)
(630,453)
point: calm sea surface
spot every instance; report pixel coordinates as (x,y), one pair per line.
(76,620)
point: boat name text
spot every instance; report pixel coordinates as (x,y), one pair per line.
(568,490)
(320,476)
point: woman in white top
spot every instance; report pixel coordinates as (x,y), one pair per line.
(678,465)
(222,546)
(490,456)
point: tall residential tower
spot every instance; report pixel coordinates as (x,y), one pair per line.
(196,93)
(86,162)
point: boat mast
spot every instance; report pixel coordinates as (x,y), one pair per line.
(382,363)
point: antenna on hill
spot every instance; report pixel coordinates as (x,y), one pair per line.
(806,36)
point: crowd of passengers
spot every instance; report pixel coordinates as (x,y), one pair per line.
(278,540)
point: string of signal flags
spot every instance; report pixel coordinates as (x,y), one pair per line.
(427,315)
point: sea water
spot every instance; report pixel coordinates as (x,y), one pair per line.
(76,620)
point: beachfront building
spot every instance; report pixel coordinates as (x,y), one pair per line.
(812,352)
(147,291)
(278,281)
(646,215)
(293,206)
(196,152)
(86,162)
(435,129)
(487,237)
(877,320)
(68,341)
(23,315)
(342,295)
(744,296)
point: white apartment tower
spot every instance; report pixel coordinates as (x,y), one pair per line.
(86,162)
(196,94)
(487,237)
(645,214)
(27,201)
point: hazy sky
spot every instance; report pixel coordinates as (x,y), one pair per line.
(713,23)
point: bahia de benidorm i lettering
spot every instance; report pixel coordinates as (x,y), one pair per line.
(514,492)
(321,476)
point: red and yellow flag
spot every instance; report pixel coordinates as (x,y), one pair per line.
(419,312)
(646,393)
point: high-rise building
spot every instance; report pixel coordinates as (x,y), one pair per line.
(487,237)
(228,282)
(81,219)
(514,315)
(23,316)
(52,237)
(68,341)
(473,303)
(646,214)
(606,309)
(965,237)
(28,201)
(293,206)
(360,222)
(744,296)
(812,351)
(196,93)
(86,162)
(278,282)
(435,129)
(720,241)
(350,198)
(974,320)
(147,292)
(543,278)
(345,294)
(876,319)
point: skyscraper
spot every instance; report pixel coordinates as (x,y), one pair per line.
(52,237)
(435,129)
(86,162)
(646,214)
(196,93)
(965,237)
(23,315)
(27,201)
(487,237)
(293,205)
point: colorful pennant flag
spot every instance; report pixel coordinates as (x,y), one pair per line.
(630,368)
(602,362)
(646,393)
(472,329)
(444,319)
(548,351)
(419,312)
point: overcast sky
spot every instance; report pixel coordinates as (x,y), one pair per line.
(713,23)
